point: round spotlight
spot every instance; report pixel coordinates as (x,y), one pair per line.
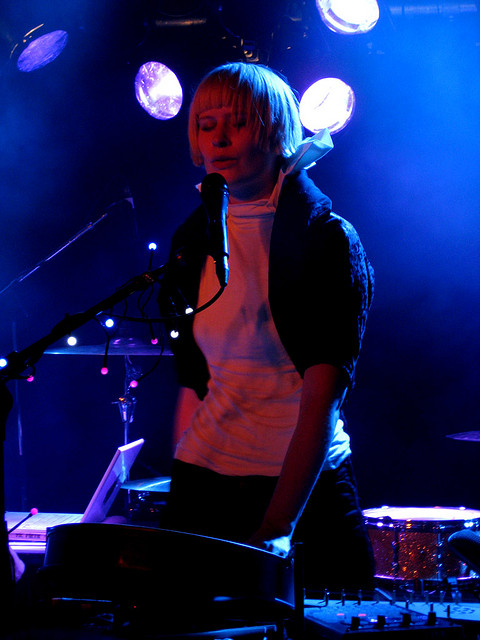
(327,104)
(158,90)
(349,16)
(39,50)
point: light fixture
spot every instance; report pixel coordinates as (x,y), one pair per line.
(349,16)
(158,90)
(38,47)
(327,104)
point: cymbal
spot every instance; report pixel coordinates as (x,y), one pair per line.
(117,347)
(158,485)
(468,436)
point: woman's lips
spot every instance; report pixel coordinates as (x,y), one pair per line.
(223,162)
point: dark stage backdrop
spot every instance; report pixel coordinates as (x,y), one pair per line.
(405,172)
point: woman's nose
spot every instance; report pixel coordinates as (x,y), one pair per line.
(221,137)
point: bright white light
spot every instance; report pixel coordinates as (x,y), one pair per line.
(188,310)
(327,104)
(71,341)
(174,334)
(349,16)
(109,323)
(3,363)
(158,90)
(152,246)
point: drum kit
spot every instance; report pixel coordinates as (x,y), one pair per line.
(410,544)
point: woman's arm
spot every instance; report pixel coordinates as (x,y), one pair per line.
(322,395)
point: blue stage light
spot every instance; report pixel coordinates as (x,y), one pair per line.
(349,16)
(39,48)
(158,90)
(327,104)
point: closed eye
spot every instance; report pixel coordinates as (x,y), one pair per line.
(207,124)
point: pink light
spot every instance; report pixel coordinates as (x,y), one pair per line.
(134,384)
(104,371)
(154,340)
(30,378)
(34,511)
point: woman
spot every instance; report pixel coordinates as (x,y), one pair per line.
(267,367)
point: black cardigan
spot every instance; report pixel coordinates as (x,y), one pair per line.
(320,284)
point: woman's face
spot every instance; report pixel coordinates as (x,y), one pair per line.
(228,147)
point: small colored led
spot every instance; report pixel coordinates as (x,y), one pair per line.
(104,371)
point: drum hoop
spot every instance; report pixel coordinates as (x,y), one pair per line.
(420,525)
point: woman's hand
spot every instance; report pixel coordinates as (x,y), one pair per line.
(281,545)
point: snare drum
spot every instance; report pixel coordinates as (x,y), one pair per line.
(410,543)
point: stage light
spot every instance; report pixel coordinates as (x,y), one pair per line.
(3,363)
(109,323)
(152,246)
(38,48)
(158,90)
(327,104)
(71,341)
(349,16)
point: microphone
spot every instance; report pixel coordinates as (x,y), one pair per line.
(465,544)
(215,195)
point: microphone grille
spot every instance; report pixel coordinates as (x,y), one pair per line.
(214,182)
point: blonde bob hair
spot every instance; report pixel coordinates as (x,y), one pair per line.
(259,94)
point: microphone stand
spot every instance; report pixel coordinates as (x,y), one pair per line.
(17,364)
(88,227)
